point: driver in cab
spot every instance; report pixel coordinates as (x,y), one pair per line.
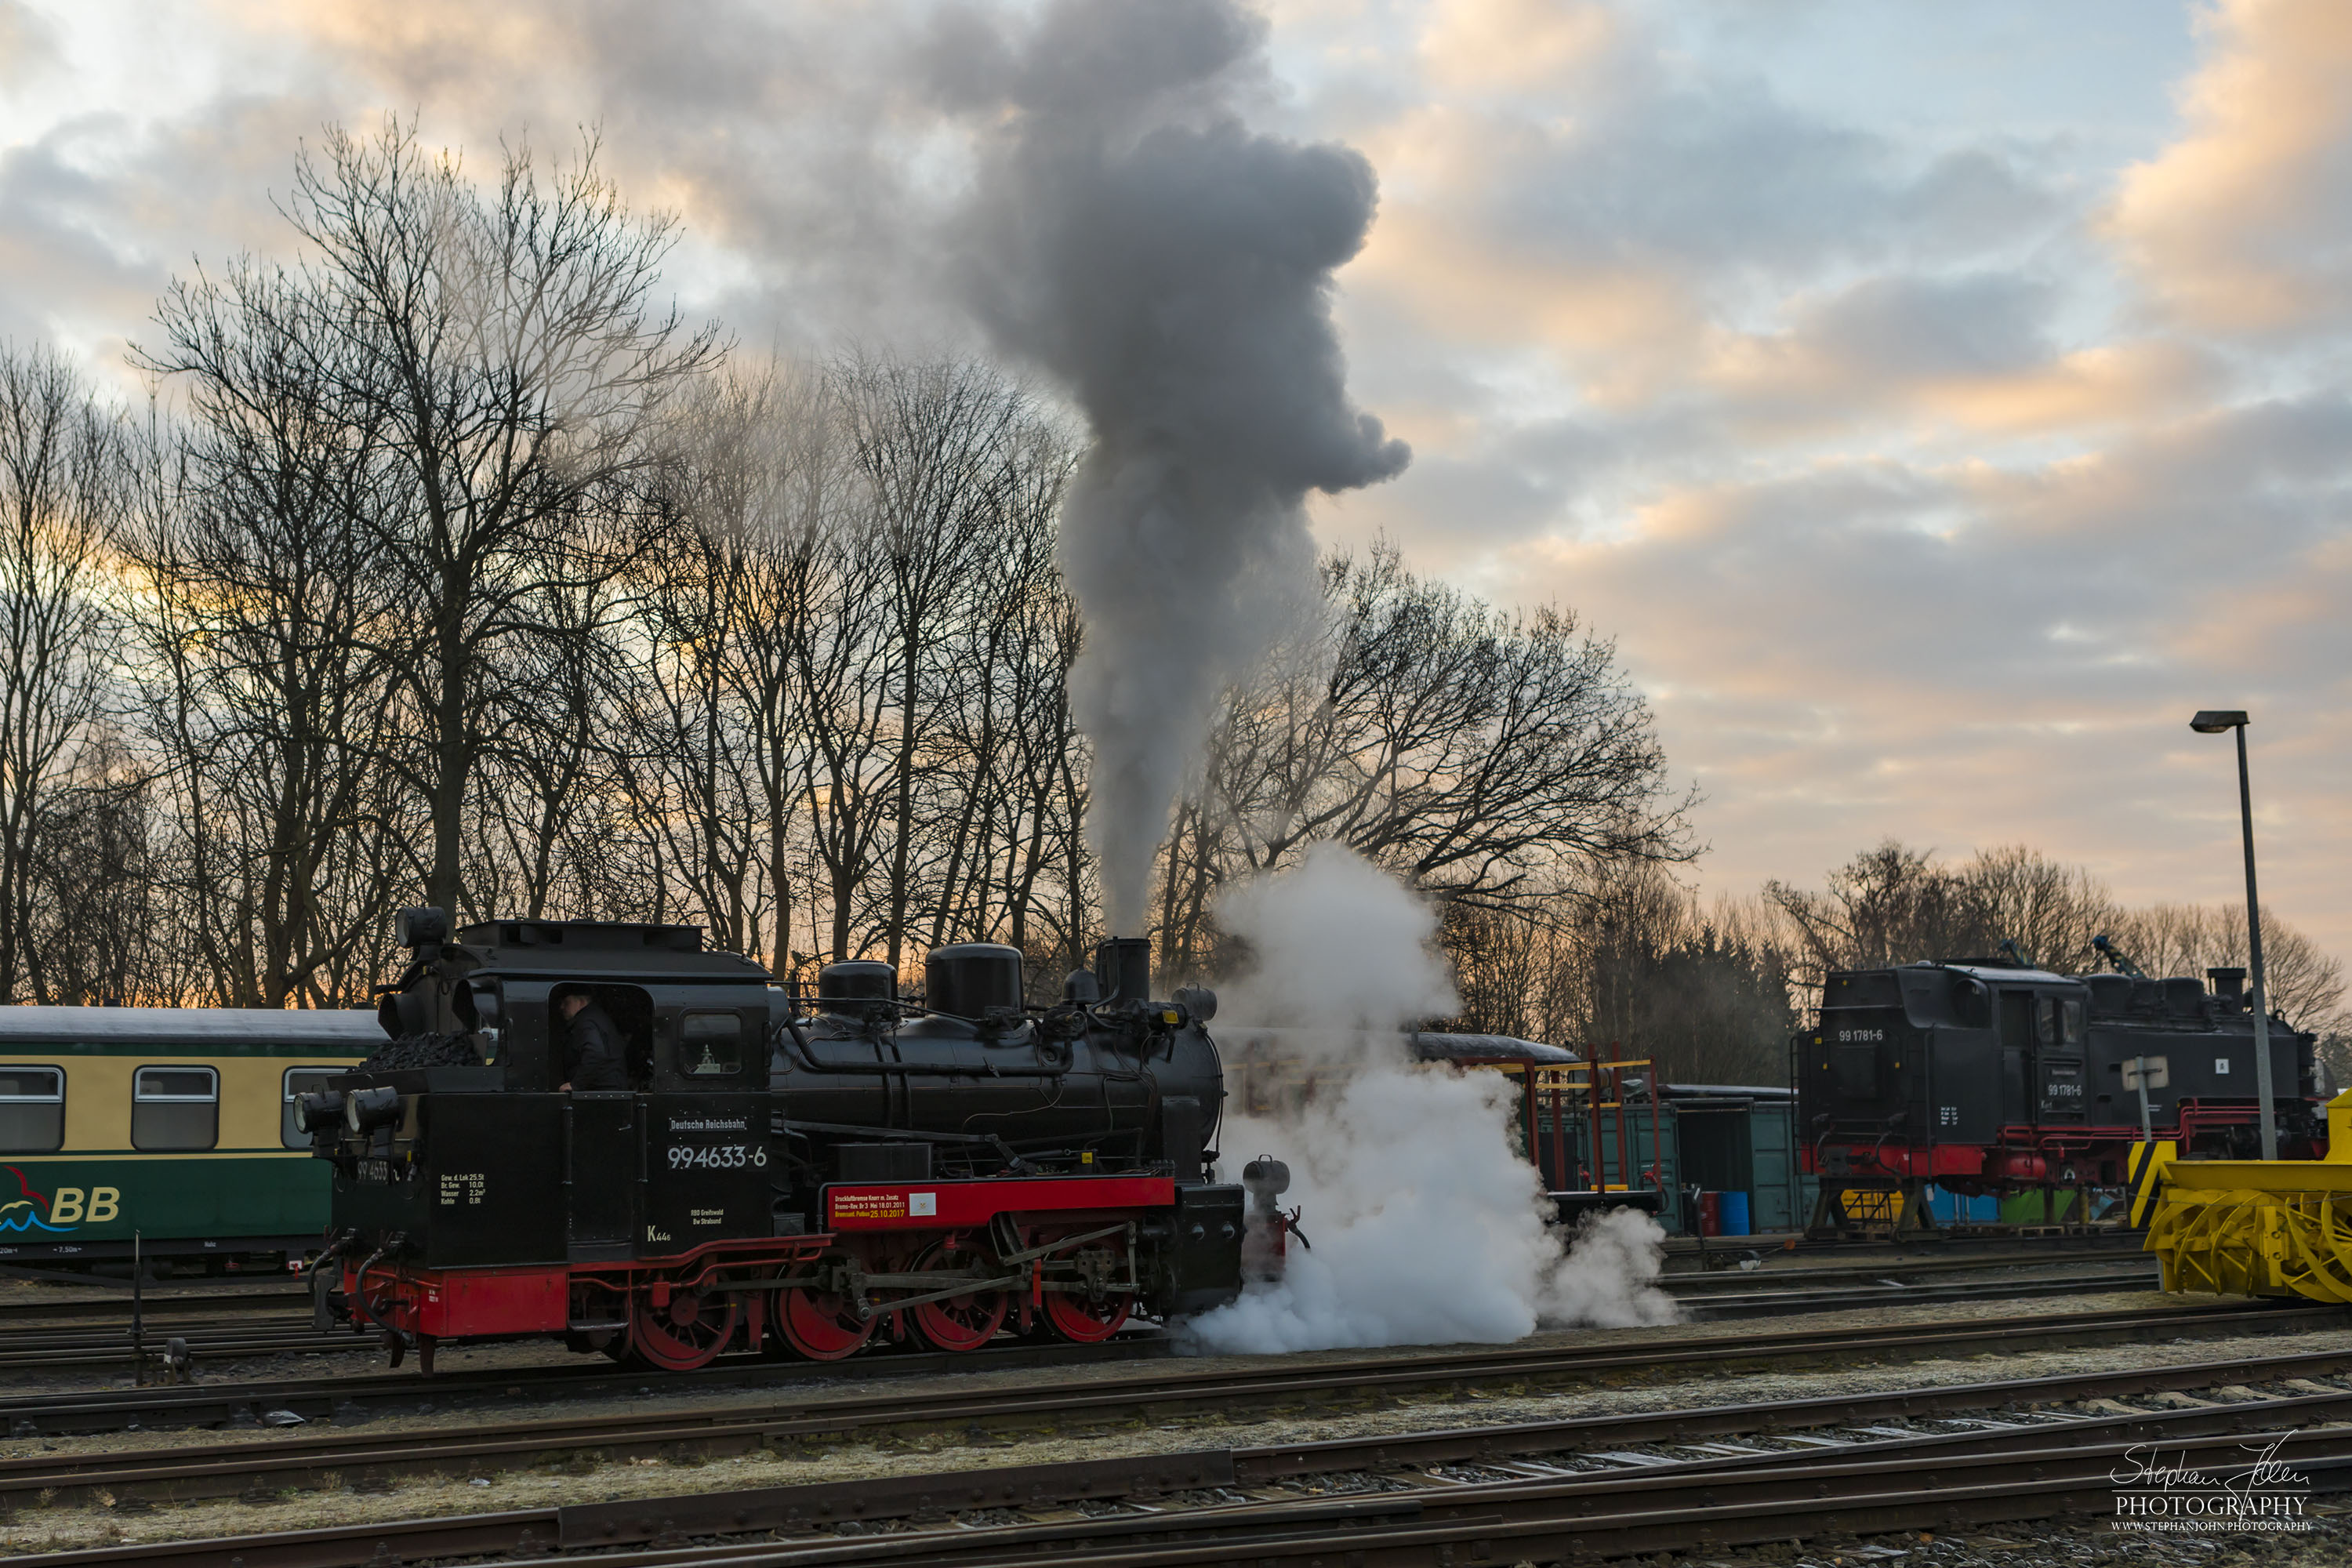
(593,1051)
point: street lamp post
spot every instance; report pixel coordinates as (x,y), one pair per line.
(2212,723)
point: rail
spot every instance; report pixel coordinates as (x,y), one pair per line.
(1584,1487)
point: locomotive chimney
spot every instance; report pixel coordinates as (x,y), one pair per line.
(2229,988)
(1123,968)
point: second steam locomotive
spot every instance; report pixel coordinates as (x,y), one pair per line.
(775,1176)
(1985,1077)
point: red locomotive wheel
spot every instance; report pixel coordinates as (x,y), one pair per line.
(688,1333)
(821,1326)
(1087,1322)
(1074,1317)
(957,1323)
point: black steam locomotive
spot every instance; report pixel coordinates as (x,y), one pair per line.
(1984,1078)
(777,1175)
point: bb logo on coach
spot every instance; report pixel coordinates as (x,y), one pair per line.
(61,1214)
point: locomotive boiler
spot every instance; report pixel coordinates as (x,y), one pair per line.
(782,1173)
(1983,1077)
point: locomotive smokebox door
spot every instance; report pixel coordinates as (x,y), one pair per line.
(706,1170)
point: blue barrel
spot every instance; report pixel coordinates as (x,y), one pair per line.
(1732,1208)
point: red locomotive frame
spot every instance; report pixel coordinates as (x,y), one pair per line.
(943,1263)
(2019,1157)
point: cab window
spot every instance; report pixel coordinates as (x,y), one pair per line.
(300,1081)
(32,1109)
(175,1107)
(710,1044)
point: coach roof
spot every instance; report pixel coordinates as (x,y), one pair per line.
(20,1025)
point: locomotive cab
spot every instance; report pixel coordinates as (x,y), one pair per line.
(487,1158)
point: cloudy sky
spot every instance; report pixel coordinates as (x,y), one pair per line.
(1937,403)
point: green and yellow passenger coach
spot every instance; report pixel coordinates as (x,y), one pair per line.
(174,1124)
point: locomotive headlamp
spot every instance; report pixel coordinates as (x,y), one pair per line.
(1265,1178)
(319,1112)
(366,1110)
(421,926)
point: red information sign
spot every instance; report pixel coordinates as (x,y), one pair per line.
(927,1204)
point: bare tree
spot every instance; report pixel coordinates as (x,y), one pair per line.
(1888,905)
(269,596)
(96,922)
(1008,710)
(1630,962)
(793,480)
(509,345)
(2298,979)
(935,442)
(691,756)
(1043,804)
(2048,911)
(548,802)
(1481,756)
(843,674)
(63,474)
(1517,974)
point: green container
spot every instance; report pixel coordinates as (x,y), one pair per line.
(1736,1140)
(2027,1208)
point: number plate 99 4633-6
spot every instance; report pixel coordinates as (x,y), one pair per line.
(717,1156)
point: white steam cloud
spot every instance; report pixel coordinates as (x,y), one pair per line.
(1171,269)
(1427,1226)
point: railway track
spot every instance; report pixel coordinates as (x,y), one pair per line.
(204,1339)
(308,1459)
(1764,1298)
(100,1335)
(179,1304)
(1979,1241)
(1863,1264)
(1687,1274)
(351,1398)
(1596,1486)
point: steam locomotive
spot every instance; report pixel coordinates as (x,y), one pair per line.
(1985,1077)
(777,1177)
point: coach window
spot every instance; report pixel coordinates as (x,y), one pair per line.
(710,1044)
(300,1081)
(32,1109)
(175,1107)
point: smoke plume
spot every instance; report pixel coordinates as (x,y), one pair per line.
(1427,1226)
(1173,270)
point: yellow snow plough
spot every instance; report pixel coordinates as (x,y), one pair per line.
(2251,1227)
